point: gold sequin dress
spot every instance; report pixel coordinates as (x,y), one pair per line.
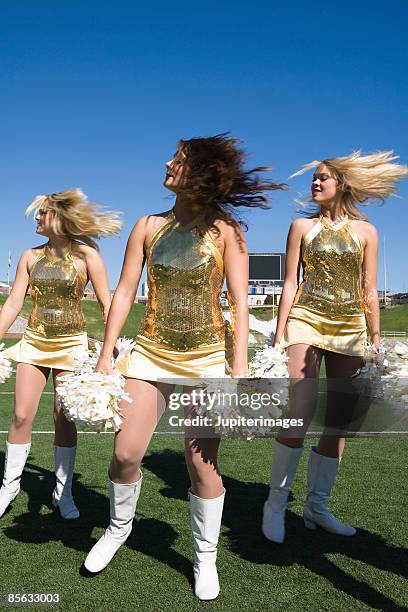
(328,308)
(55,333)
(183,333)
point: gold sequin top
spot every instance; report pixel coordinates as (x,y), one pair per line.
(56,291)
(185,274)
(332,257)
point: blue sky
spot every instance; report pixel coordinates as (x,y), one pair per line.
(96,94)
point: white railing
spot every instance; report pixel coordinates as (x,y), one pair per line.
(393,334)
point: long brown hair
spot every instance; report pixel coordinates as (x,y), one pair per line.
(217,181)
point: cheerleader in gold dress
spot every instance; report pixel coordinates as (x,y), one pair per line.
(326,316)
(56,274)
(188,252)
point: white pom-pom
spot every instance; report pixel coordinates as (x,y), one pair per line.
(385,373)
(269,362)
(395,374)
(92,398)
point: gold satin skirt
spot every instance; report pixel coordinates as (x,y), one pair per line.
(58,352)
(346,335)
(152,361)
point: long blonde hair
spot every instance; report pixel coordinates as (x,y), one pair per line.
(362,178)
(77,218)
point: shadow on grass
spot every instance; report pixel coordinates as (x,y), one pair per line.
(151,537)
(242,518)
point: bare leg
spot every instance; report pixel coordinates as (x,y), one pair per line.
(65,440)
(324,461)
(131,442)
(30,383)
(139,423)
(206,506)
(304,367)
(341,401)
(65,431)
(201,460)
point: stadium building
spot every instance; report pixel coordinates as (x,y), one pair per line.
(266,274)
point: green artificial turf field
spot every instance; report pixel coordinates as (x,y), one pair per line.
(153,571)
(312,571)
(391,319)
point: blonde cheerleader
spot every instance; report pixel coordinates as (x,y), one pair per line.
(325,316)
(56,274)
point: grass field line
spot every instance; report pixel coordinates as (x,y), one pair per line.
(12,393)
(177,433)
(99,433)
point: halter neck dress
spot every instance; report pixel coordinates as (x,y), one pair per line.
(328,310)
(183,333)
(56,330)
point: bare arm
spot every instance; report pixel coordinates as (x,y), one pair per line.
(290,286)
(236,271)
(98,277)
(125,293)
(15,300)
(369,285)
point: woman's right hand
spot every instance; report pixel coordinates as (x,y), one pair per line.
(276,341)
(104,365)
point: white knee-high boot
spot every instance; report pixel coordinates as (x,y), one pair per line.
(284,466)
(64,470)
(16,457)
(322,472)
(123,500)
(205,515)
